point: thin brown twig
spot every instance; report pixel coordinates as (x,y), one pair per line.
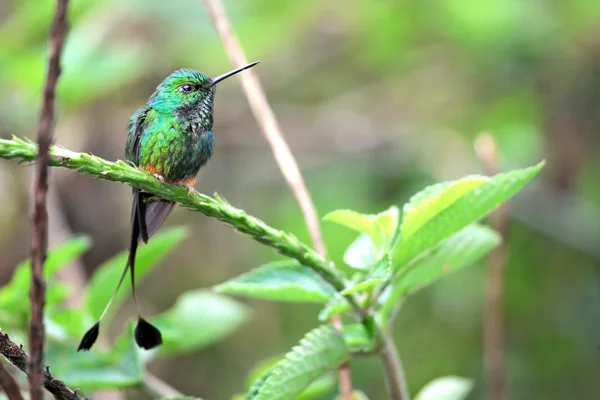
(17,357)
(39,244)
(283,155)
(9,384)
(487,151)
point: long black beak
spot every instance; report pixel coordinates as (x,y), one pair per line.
(228,74)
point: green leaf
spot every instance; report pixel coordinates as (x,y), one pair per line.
(356,395)
(14,310)
(363,286)
(446,388)
(107,276)
(460,250)
(434,199)
(440,211)
(119,368)
(336,306)
(362,223)
(285,280)
(199,318)
(381,273)
(389,223)
(361,254)
(357,338)
(320,386)
(320,351)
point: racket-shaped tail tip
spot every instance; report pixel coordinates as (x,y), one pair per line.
(147,336)
(89,338)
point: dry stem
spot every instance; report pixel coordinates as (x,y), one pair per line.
(285,159)
(39,244)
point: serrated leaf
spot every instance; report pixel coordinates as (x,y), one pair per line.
(434,199)
(446,388)
(362,223)
(105,279)
(361,254)
(263,369)
(320,351)
(285,280)
(197,319)
(119,368)
(444,217)
(460,250)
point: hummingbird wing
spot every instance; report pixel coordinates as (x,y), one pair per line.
(150,210)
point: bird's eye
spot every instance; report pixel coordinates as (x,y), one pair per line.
(186,88)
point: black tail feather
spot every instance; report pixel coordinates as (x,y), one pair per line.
(147,336)
(89,338)
(146,217)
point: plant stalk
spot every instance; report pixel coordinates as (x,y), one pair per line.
(392,368)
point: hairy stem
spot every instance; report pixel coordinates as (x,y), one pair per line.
(392,368)
(39,242)
(119,171)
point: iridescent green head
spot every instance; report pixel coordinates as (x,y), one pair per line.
(186,92)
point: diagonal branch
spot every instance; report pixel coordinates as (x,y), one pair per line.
(39,243)
(120,171)
(283,155)
(17,357)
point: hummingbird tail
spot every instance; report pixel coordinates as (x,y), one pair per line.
(146,335)
(155,212)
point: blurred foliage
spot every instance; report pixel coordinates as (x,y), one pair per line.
(378,99)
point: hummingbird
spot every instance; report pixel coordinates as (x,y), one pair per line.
(171,137)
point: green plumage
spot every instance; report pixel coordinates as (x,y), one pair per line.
(172,134)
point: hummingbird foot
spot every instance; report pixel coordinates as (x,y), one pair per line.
(190,189)
(159,177)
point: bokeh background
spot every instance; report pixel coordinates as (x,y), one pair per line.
(377,99)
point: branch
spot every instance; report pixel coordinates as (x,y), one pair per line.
(285,159)
(487,151)
(392,368)
(17,357)
(119,171)
(9,385)
(39,243)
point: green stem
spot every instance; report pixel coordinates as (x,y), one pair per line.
(119,171)
(392,368)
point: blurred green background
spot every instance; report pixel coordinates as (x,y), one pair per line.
(377,99)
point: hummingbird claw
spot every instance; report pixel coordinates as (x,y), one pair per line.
(159,177)
(190,189)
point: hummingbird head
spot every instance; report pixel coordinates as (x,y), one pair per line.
(189,94)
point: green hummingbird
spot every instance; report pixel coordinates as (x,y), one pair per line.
(171,137)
